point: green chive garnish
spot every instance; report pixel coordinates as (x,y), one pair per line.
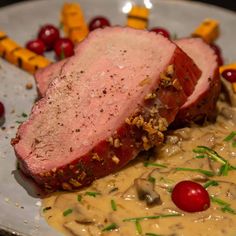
(205,172)
(92,194)
(230,136)
(46,209)
(152,234)
(219,201)
(113,205)
(225,206)
(228,209)
(79,198)
(224,169)
(24,114)
(146,164)
(67,212)
(151,179)
(138,227)
(211,183)
(150,217)
(110,227)
(212,154)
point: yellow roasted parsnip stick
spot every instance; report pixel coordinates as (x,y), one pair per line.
(73,22)
(138,17)
(208,30)
(21,57)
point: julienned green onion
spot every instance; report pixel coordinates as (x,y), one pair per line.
(110,227)
(67,212)
(92,194)
(230,136)
(224,169)
(46,209)
(79,198)
(152,234)
(150,217)
(151,179)
(113,205)
(212,154)
(146,164)
(225,206)
(205,172)
(138,227)
(219,201)
(210,183)
(228,209)
(24,114)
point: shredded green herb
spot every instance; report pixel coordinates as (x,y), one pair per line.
(210,153)
(113,205)
(152,234)
(224,169)
(146,164)
(150,217)
(47,209)
(138,227)
(67,212)
(219,201)
(24,114)
(110,227)
(228,209)
(19,122)
(205,172)
(230,136)
(151,179)
(92,194)
(225,206)
(234,144)
(210,183)
(79,198)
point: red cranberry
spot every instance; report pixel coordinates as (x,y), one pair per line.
(49,34)
(218,53)
(190,196)
(230,75)
(2,110)
(63,48)
(36,46)
(161,31)
(98,22)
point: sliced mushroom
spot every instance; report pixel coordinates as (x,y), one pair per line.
(83,215)
(208,139)
(76,229)
(145,191)
(184,133)
(226,189)
(228,113)
(230,95)
(172,139)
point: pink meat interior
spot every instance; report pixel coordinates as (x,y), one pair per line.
(203,56)
(94,94)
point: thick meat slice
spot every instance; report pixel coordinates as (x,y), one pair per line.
(44,76)
(107,104)
(201,105)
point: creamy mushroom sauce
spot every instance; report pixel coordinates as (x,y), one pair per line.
(91,214)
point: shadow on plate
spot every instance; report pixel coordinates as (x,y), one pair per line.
(28,184)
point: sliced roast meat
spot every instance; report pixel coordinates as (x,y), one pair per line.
(201,105)
(44,76)
(110,102)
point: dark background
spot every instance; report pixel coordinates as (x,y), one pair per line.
(230,4)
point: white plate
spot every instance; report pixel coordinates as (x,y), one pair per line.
(19,205)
